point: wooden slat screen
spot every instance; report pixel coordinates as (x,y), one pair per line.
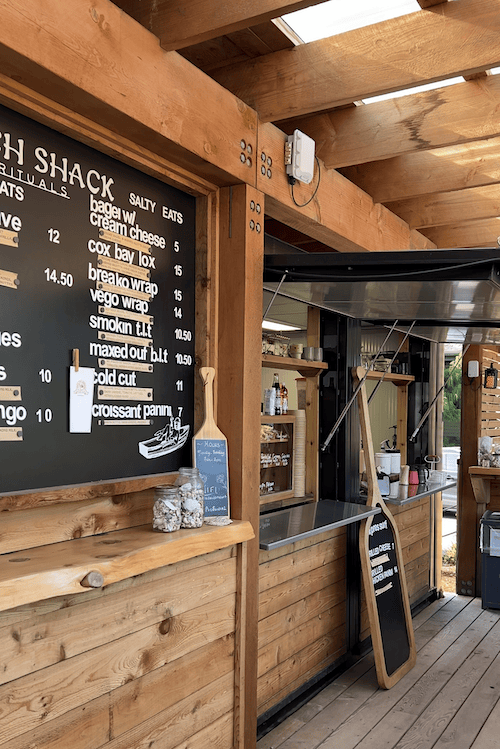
(490,399)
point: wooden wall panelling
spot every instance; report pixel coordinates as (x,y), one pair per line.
(154,599)
(80,492)
(293,674)
(275,625)
(29,528)
(31,611)
(302,614)
(241,655)
(267,556)
(174,653)
(293,590)
(76,681)
(239,393)
(299,562)
(292,643)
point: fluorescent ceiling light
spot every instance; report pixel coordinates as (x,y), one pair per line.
(281,326)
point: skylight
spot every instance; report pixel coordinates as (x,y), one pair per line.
(336,16)
(414,90)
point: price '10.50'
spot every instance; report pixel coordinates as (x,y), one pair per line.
(183,335)
(185,359)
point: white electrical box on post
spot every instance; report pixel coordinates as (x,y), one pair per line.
(299,157)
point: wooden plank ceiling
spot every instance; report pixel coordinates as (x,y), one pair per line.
(431,158)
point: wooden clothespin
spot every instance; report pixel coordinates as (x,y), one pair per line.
(76,358)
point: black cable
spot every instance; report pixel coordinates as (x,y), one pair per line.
(292,181)
(381,277)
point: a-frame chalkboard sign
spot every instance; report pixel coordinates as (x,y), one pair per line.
(383,571)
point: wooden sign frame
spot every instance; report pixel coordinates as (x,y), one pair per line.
(210,454)
(383,571)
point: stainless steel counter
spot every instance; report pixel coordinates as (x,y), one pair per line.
(413,492)
(282,527)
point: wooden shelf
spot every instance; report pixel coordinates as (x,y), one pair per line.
(58,569)
(284,419)
(397,379)
(481,479)
(304,367)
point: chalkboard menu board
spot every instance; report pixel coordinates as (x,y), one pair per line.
(98,257)
(388,608)
(386,582)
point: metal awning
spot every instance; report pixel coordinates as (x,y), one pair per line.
(454,295)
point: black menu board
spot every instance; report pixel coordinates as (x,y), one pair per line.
(386,581)
(97,257)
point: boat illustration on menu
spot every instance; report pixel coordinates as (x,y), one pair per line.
(166,440)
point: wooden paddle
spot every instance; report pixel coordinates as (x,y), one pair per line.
(210,454)
(383,571)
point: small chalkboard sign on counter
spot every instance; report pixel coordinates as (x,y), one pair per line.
(210,454)
(211,460)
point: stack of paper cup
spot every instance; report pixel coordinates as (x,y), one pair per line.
(395,462)
(299,453)
(383,461)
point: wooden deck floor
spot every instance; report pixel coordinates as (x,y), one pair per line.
(450,700)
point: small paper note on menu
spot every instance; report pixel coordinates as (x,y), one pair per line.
(81,399)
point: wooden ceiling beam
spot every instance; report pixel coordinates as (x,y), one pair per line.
(430,172)
(449,207)
(473,234)
(442,117)
(179,24)
(331,209)
(457,38)
(159,101)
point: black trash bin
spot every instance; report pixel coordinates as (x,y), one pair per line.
(490,559)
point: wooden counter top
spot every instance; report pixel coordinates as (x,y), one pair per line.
(58,569)
(480,479)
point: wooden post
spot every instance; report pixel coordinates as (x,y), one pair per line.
(468,582)
(402,414)
(238,411)
(312,416)
(438,498)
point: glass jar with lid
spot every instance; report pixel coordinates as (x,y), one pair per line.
(166,509)
(191,493)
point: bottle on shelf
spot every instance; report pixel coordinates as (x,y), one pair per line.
(284,399)
(277,402)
